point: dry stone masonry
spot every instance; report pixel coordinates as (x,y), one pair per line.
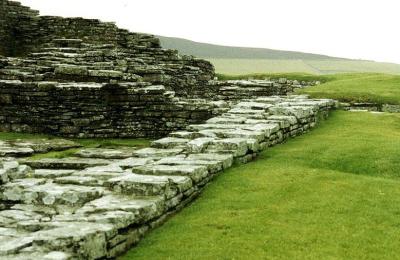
(84,78)
(100,202)
(78,77)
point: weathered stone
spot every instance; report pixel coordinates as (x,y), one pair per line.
(146,185)
(132,162)
(89,239)
(15,151)
(213,166)
(170,142)
(195,172)
(50,194)
(225,159)
(65,163)
(199,145)
(12,246)
(144,209)
(51,173)
(71,70)
(157,153)
(185,135)
(238,146)
(105,153)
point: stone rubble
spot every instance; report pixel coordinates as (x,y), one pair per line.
(103,201)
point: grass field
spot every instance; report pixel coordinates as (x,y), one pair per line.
(330,194)
(318,67)
(244,60)
(377,88)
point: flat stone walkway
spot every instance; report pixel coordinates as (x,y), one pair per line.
(100,202)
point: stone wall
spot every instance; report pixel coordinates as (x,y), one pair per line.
(99,203)
(368,106)
(23,32)
(97,110)
(242,89)
(86,78)
(16,27)
(30,31)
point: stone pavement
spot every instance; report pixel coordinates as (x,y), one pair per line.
(100,202)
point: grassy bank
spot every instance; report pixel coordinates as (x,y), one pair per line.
(376,88)
(330,194)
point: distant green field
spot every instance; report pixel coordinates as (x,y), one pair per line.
(247,66)
(244,60)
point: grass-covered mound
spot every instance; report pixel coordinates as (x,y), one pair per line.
(333,193)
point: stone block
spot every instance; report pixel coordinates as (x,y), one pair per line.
(147,185)
(72,70)
(195,172)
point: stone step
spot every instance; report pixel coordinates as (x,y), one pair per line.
(238,146)
(51,173)
(170,142)
(143,209)
(27,147)
(195,172)
(147,185)
(120,153)
(75,163)
(156,152)
(40,192)
(213,166)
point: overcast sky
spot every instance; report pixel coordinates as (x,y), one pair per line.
(361,29)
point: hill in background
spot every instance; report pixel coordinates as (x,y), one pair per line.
(242,60)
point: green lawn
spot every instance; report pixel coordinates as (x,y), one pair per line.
(333,193)
(378,88)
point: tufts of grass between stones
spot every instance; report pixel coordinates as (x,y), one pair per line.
(333,193)
(95,143)
(86,143)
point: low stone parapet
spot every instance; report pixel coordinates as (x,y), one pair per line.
(93,206)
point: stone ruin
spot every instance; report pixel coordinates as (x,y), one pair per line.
(76,77)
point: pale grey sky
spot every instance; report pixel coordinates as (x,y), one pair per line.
(365,29)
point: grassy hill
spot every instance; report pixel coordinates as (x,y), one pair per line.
(206,50)
(241,60)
